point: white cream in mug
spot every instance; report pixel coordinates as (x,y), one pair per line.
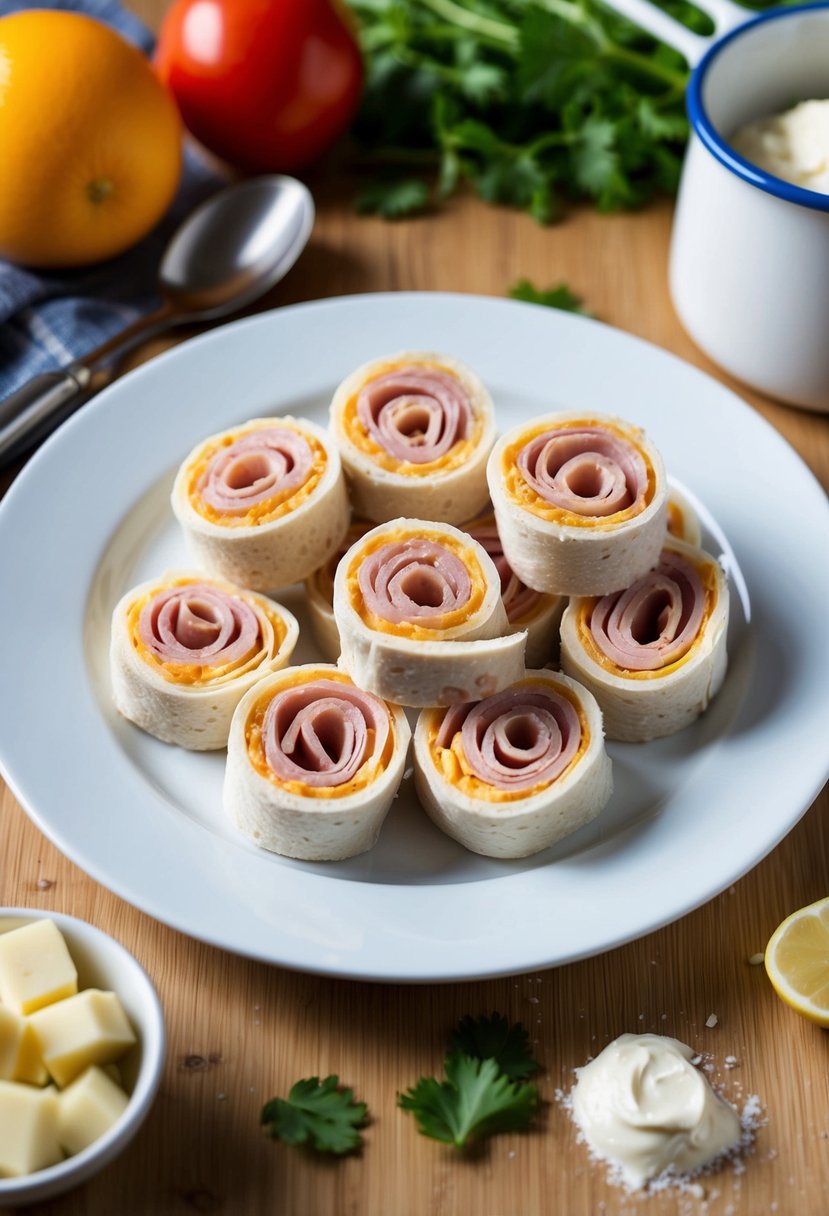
(642,1105)
(793,145)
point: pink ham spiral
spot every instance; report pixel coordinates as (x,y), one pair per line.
(415,413)
(516,739)
(518,599)
(198,624)
(263,463)
(654,622)
(585,470)
(414,581)
(322,732)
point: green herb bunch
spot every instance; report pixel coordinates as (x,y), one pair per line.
(531,101)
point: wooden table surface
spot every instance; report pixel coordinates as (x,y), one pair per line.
(240,1032)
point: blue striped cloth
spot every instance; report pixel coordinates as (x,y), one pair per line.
(48,319)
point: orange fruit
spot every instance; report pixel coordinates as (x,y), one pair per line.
(90,141)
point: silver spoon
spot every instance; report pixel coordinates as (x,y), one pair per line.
(227,253)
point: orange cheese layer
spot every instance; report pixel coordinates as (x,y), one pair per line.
(269,509)
(405,629)
(521,492)
(367,773)
(707,572)
(193,673)
(452,764)
(357,434)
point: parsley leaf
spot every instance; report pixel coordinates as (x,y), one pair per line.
(474,1100)
(530,102)
(393,199)
(552,297)
(319,1113)
(493,1038)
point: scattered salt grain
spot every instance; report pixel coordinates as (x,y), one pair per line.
(731,1061)
(711,1021)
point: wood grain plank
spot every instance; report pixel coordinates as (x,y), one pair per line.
(242,1031)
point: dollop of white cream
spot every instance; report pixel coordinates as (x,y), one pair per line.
(642,1105)
(793,145)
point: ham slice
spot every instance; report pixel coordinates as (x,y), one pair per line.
(516,739)
(414,581)
(580,503)
(414,431)
(655,621)
(586,470)
(318,733)
(321,733)
(415,414)
(260,465)
(677,611)
(184,650)
(518,599)
(539,768)
(425,624)
(198,624)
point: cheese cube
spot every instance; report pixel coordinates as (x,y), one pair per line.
(30,1066)
(19,1053)
(90,1028)
(35,967)
(87,1108)
(28,1129)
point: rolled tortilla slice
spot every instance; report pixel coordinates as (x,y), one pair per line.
(414,431)
(313,764)
(319,592)
(421,621)
(264,504)
(534,611)
(580,502)
(185,649)
(516,772)
(654,654)
(682,518)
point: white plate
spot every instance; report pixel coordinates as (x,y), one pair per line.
(90,516)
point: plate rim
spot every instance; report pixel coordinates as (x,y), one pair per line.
(186,352)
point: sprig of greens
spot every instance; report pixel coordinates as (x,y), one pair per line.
(533,102)
(318,1113)
(560,297)
(482,1091)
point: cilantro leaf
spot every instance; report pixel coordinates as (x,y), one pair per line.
(552,297)
(393,199)
(530,102)
(319,1113)
(493,1038)
(474,1100)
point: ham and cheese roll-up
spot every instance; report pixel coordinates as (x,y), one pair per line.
(313,764)
(512,774)
(538,613)
(654,654)
(319,590)
(421,621)
(185,649)
(264,504)
(580,501)
(682,518)
(414,432)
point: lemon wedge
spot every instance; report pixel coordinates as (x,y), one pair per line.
(797,961)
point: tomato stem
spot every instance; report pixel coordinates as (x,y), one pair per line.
(99,190)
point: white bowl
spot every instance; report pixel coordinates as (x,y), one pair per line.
(101,963)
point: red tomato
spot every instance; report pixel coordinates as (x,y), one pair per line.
(267,85)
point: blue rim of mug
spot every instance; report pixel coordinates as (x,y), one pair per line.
(714,141)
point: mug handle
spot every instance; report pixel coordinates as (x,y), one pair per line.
(725,15)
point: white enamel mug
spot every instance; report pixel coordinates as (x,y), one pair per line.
(749,264)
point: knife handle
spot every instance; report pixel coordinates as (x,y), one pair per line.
(36,408)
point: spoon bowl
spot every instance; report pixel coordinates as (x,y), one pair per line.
(236,246)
